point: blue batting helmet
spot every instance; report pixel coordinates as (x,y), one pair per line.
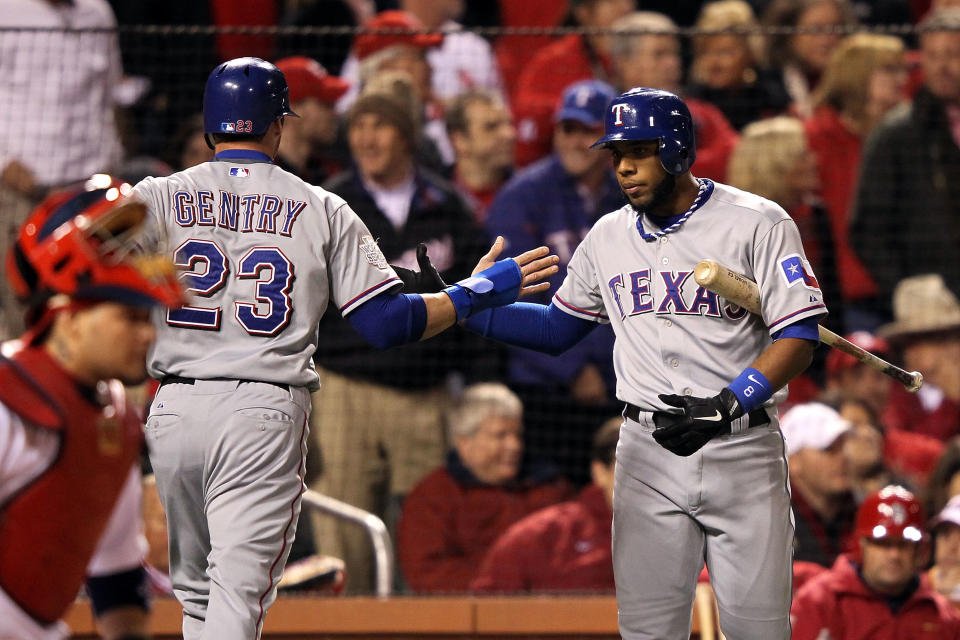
(653,114)
(244,96)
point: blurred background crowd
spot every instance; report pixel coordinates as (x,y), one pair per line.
(451,122)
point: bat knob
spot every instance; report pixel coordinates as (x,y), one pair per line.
(917,382)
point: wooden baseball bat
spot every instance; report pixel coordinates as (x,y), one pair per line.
(742,291)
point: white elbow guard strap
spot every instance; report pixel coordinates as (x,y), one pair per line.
(496,286)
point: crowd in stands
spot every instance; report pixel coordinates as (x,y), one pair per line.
(438,134)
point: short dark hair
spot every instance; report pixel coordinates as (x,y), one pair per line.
(605,442)
(455,113)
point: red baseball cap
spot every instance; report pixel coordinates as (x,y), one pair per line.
(838,361)
(368,43)
(308,79)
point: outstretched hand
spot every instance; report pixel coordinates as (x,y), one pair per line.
(535,265)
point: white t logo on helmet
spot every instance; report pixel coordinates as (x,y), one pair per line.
(618,110)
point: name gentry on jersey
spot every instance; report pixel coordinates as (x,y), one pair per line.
(234,212)
(641,299)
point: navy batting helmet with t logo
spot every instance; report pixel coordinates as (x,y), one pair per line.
(653,114)
(244,96)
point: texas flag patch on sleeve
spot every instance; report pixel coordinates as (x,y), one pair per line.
(795,269)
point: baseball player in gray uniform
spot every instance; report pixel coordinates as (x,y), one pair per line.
(700,473)
(263,254)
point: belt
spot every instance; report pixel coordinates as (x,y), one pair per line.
(758,417)
(181,380)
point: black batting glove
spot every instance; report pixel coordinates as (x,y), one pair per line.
(702,420)
(427,280)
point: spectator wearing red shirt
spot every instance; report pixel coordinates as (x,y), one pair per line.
(654,60)
(566,547)
(865,78)
(878,592)
(926,333)
(456,512)
(558,65)
(820,488)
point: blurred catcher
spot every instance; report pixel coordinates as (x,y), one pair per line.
(69,441)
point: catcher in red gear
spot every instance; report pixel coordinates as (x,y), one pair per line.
(69,442)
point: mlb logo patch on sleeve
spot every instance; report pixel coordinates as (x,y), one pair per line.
(371,251)
(795,269)
(239,172)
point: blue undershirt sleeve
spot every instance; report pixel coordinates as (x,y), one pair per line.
(390,319)
(539,327)
(807,329)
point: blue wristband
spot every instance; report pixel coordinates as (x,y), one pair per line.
(751,388)
(495,286)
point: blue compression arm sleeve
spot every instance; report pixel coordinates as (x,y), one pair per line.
(533,326)
(808,329)
(390,319)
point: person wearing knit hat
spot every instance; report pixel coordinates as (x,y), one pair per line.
(392,97)
(310,147)
(383,448)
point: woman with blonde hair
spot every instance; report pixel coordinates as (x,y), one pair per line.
(773,160)
(728,67)
(863,81)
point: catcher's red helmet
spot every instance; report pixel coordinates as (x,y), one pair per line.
(891,513)
(81,243)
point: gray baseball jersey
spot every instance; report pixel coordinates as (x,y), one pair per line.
(263,252)
(727,504)
(674,336)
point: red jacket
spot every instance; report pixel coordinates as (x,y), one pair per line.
(566,547)
(837,605)
(53,524)
(450,520)
(838,150)
(911,455)
(540,86)
(904,411)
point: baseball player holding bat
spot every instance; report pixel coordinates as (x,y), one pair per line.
(700,473)
(264,254)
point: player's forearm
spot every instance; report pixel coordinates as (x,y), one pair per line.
(441,314)
(784,360)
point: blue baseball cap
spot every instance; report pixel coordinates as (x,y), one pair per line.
(585,101)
